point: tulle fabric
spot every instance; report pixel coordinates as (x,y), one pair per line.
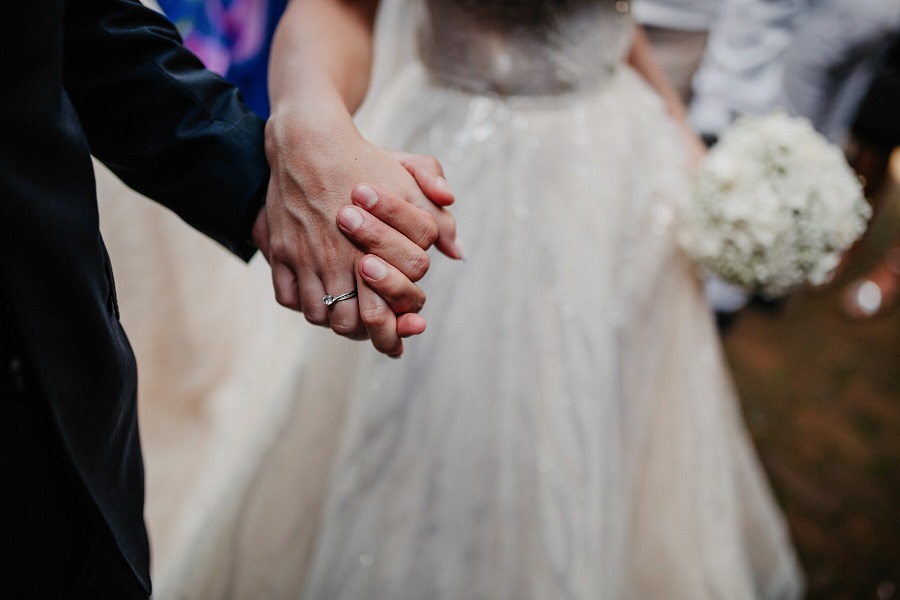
(217,362)
(567,427)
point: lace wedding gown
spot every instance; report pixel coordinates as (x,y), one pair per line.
(566,428)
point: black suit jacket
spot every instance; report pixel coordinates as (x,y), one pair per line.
(108,78)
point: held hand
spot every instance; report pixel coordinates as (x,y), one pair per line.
(403,217)
(314,170)
(393,290)
(435,196)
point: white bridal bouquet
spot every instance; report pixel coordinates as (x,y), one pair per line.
(774,206)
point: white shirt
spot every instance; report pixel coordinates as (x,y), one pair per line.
(832,60)
(743,67)
(684,15)
(812,58)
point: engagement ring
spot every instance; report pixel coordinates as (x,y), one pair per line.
(328,299)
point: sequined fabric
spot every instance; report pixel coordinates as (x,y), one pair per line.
(518,47)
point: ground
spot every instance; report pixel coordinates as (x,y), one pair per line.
(821,395)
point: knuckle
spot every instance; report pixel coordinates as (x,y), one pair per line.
(280,296)
(375,317)
(316,318)
(375,237)
(421,298)
(389,209)
(286,300)
(333,261)
(430,232)
(418,265)
(278,250)
(423,226)
(417,303)
(344,327)
(415,197)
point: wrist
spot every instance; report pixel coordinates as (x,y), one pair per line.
(310,107)
(314,126)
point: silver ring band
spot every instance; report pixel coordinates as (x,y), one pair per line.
(328,299)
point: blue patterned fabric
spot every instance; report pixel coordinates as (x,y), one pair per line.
(232,38)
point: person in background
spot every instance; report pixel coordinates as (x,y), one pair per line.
(832,58)
(810,58)
(816,60)
(724,57)
(678,31)
(875,136)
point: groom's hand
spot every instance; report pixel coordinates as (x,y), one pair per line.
(388,299)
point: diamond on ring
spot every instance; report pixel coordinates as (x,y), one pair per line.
(328,299)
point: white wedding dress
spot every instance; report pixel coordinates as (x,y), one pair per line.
(567,427)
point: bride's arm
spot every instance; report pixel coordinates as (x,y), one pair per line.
(322,57)
(640,57)
(318,75)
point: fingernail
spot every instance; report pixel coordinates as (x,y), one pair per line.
(441,184)
(460,249)
(366,196)
(350,218)
(374,268)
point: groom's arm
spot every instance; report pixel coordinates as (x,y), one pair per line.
(168,128)
(180,135)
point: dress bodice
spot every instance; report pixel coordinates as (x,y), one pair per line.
(524,47)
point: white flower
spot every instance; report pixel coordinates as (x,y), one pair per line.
(773,207)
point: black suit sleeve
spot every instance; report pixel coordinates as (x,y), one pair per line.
(168,128)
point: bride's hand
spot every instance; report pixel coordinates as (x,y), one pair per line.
(694,147)
(315,168)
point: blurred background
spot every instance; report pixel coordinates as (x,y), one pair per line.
(821,396)
(818,373)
